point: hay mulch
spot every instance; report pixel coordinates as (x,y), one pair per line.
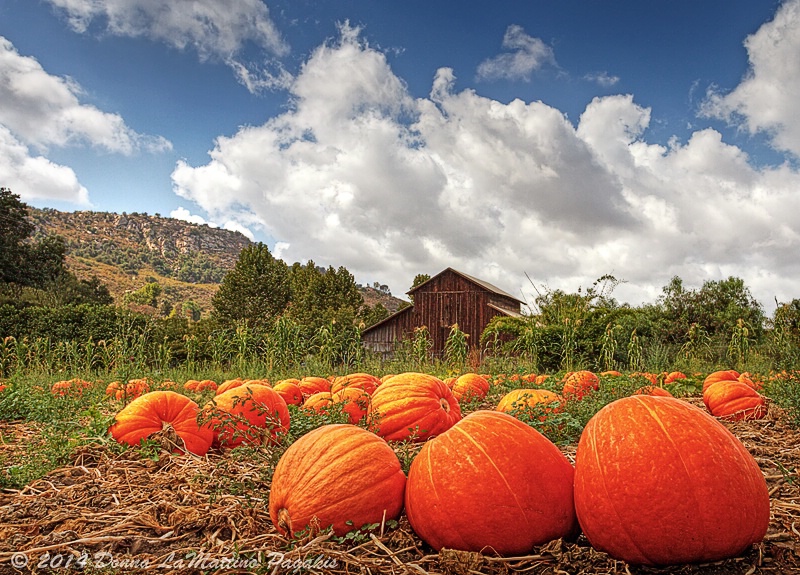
(129,512)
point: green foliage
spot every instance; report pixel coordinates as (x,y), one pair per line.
(148,294)
(785,391)
(716,307)
(456,349)
(256,291)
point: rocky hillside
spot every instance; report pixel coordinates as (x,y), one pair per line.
(126,251)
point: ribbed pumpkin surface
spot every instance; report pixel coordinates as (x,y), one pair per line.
(153,412)
(521,399)
(239,413)
(413,405)
(336,475)
(659,481)
(734,400)
(490,483)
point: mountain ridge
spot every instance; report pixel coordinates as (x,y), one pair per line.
(126,251)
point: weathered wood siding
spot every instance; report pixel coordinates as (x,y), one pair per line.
(445,300)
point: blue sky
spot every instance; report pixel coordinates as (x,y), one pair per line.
(562,140)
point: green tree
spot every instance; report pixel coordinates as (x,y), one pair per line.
(716,307)
(321,297)
(23,262)
(15,229)
(148,294)
(256,291)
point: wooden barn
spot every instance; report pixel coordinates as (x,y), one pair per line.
(450,297)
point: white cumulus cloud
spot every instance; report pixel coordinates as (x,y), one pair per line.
(766,100)
(215,30)
(525,54)
(35,177)
(358,173)
(43,110)
(39,111)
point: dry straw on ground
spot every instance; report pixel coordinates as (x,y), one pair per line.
(182,514)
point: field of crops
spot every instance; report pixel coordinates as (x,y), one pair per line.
(87,484)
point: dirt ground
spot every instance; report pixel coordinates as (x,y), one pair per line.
(122,513)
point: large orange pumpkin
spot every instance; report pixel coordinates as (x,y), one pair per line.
(653,390)
(70,387)
(490,483)
(310,385)
(131,390)
(658,481)
(355,402)
(157,411)
(673,376)
(723,375)
(365,381)
(229,384)
(734,400)
(413,406)
(520,400)
(290,392)
(240,415)
(318,402)
(579,383)
(470,386)
(200,385)
(337,475)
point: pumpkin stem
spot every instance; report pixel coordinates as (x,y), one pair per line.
(285,521)
(444,404)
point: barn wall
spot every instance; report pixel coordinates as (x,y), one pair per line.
(443,301)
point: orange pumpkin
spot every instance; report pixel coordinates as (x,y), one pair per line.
(724,375)
(318,402)
(200,385)
(520,400)
(413,406)
(73,386)
(133,389)
(610,372)
(470,386)
(159,410)
(579,383)
(337,475)
(238,415)
(756,384)
(660,482)
(651,377)
(290,392)
(355,402)
(229,384)
(490,483)
(365,381)
(673,376)
(653,390)
(311,385)
(734,400)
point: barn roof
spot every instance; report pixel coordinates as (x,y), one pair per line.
(481,283)
(388,319)
(485,285)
